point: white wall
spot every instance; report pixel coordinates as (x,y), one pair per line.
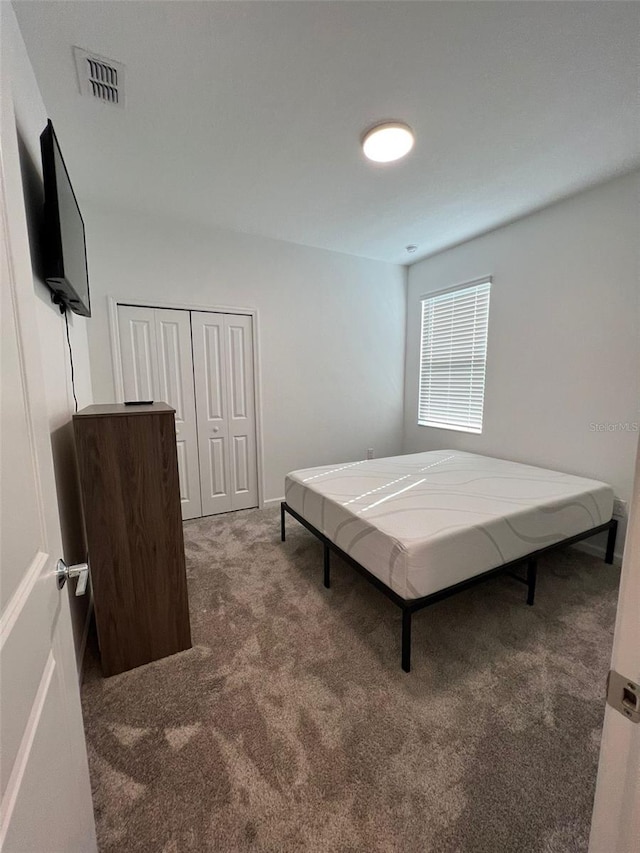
(331,328)
(564,336)
(31,117)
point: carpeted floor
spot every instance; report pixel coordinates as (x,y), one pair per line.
(291,727)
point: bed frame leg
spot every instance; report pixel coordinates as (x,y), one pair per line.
(406,639)
(327,566)
(282,531)
(532,574)
(611,541)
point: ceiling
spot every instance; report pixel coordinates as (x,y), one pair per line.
(248,115)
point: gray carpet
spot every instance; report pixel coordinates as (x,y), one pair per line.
(291,727)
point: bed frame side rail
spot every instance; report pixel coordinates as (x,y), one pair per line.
(410,606)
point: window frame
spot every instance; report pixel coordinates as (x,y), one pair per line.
(467,285)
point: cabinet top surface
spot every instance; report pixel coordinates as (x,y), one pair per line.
(104,410)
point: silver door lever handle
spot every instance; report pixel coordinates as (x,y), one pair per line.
(79,570)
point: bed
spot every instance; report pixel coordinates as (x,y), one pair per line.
(423,526)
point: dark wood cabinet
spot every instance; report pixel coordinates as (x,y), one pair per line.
(131,496)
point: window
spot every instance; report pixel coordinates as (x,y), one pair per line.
(453,355)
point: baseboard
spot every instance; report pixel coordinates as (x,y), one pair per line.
(270,501)
(597,551)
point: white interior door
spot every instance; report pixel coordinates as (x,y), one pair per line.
(155,352)
(616,813)
(138,352)
(241,411)
(45,791)
(225,404)
(210,369)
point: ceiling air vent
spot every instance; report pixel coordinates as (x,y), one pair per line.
(100,78)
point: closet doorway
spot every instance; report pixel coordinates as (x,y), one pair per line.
(203,364)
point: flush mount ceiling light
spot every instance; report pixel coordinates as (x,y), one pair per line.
(387,142)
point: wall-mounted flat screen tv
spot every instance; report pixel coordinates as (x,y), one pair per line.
(65,254)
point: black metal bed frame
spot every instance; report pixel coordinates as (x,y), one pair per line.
(410,606)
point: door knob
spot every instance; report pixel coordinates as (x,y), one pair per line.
(216,429)
(79,570)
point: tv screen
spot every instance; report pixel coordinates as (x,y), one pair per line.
(65,252)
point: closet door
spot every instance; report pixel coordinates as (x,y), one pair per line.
(175,380)
(157,364)
(242,411)
(138,352)
(225,394)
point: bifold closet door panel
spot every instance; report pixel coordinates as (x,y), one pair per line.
(225,395)
(242,411)
(157,364)
(138,352)
(175,379)
(209,370)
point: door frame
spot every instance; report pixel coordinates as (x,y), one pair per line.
(615,822)
(114,335)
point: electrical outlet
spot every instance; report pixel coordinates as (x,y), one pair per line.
(619,508)
(369,452)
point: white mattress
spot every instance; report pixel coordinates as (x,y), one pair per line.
(425,521)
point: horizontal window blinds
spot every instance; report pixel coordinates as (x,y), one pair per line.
(453,354)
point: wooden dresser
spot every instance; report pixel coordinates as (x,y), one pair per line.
(131,496)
